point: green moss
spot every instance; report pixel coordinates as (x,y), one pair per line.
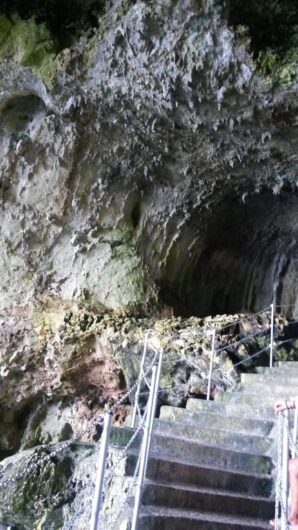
(281,68)
(5,29)
(272,25)
(30,44)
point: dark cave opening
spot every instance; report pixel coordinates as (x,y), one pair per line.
(64,18)
(20,112)
(271,23)
(246,256)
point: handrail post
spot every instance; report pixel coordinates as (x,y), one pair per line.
(295,428)
(103,452)
(284,478)
(133,421)
(155,396)
(145,445)
(271,334)
(211,365)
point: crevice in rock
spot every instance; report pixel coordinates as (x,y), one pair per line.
(136,215)
(12,427)
(20,113)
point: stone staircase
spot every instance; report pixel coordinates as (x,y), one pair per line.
(210,464)
(212,468)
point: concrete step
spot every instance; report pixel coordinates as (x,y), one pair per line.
(204,454)
(248,398)
(262,412)
(170,470)
(176,447)
(293,370)
(227,439)
(270,388)
(188,497)
(157,518)
(218,421)
(253,400)
(269,378)
(287,364)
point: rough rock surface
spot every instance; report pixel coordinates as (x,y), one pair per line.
(58,371)
(112,172)
(148,178)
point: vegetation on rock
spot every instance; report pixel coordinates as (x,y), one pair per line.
(273,28)
(28,43)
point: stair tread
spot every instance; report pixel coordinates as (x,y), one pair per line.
(227,431)
(209,491)
(199,443)
(269,397)
(203,516)
(224,407)
(211,413)
(206,466)
(181,489)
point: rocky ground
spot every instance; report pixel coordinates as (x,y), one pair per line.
(62,368)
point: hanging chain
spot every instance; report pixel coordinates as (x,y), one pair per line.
(34,463)
(124,451)
(126,498)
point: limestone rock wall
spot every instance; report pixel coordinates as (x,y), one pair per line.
(148,179)
(118,172)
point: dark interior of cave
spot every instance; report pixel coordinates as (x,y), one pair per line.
(19,112)
(247,256)
(271,23)
(64,18)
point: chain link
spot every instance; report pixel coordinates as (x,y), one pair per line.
(35,462)
(33,465)
(124,451)
(86,494)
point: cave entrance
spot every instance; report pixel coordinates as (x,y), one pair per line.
(247,254)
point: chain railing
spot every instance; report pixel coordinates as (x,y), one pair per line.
(145,422)
(284,435)
(144,419)
(286,444)
(145,426)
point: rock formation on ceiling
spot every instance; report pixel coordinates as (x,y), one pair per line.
(148,166)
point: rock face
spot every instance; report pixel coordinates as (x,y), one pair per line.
(148,178)
(135,157)
(60,368)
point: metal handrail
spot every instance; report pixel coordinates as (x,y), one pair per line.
(145,448)
(284,477)
(102,459)
(213,333)
(136,405)
(271,334)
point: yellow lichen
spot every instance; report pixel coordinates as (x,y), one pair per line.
(28,43)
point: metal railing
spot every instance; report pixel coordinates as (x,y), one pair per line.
(271,347)
(136,409)
(142,420)
(145,420)
(146,423)
(286,443)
